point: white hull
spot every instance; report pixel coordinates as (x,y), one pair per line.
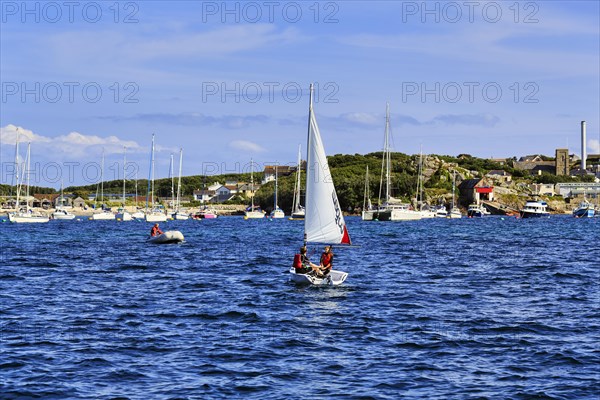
(277,214)
(298,215)
(138,215)
(167,237)
(22,218)
(159,217)
(367,216)
(124,216)
(405,215)
(254,215)
(427,214)
(103,216)
(455,214)
(63,215)
(334,278)
(179,216)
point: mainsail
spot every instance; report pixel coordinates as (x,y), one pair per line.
(324,221)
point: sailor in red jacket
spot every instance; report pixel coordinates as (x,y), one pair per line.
(326,261)
(302,264)
(155,231)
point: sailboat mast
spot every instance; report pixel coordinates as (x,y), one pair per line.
(102,179)
(172,179)
(296,205)
(179,181)
(453,187)
(28,174)
(387,145)
(152,169)
(124,164)
(366,194)
(18,182)
(308,147)
(251,185)
(275,199)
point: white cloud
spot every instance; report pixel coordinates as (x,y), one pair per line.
(245,145)
(73,144)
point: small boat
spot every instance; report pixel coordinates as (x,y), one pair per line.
(166,238)
(584,210)
(324,220)
(534,209)
(62,214)
(277,212)
(205,213)
(441,212)
(26,214)
(253,212)
(454,211)
(476,211)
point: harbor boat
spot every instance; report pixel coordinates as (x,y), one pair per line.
(585,209)
(24,214)
(205,213)
(324,221)
(454,211)
(367,210)
(441,212)
(104,214)
(476,211)
(61,213)
(167,237)
(179,214)
(277,212)
(122,213)
(392,209)
(534,209)
(297,209)
(156,213)
(253,212)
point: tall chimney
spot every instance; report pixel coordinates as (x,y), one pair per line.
(583,142)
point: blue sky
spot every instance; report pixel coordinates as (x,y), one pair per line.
(220,80)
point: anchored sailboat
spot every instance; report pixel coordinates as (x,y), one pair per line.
(155,214)
(324,221)
(104,214)
(297,209)
(122,213)
(277,212)
(178,214)
(253,212)
(61,212)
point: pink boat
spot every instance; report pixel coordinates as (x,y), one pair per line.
(205,214)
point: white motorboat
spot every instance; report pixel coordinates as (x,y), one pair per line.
(534,209)
(62,214)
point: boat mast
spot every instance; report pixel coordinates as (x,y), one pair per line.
(102,179)
(453,187)
(172,179)
(18,182)
(389,157)
(308,146)
(251,185)
(28,175)
(275,199)
(179,181)
(296,205)
(124,163)
(366,194)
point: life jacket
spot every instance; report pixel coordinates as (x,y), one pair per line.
(297,261)
(327,259)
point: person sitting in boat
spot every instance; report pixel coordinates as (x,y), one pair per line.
(302,264)
(326,261)
(155,231)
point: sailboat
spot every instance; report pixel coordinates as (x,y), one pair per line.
(122,213)
(367,212)
(277,212)
(104,214)
(60,212)
(424,210)
(297,209)
(155,214)
(392,209)
(253,212)
(454,211)
(26,214)
(324,221)
(178,214)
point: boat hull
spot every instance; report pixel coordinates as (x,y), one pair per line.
(584,213)
(27,219)
(526,214)
(167,238)
(334,278)
(254,215)
(124,216)
(179,216)
(103,216)
(156,217)
(62,215)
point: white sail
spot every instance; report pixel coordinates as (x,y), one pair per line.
(324,221)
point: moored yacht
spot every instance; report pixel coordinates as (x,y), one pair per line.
(476,211)
(534,209)
(584,210)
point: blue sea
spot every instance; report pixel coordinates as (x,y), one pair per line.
(491,308)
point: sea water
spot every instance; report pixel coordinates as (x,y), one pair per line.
(437,309)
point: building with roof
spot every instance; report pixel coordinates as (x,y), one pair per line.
(475,190)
